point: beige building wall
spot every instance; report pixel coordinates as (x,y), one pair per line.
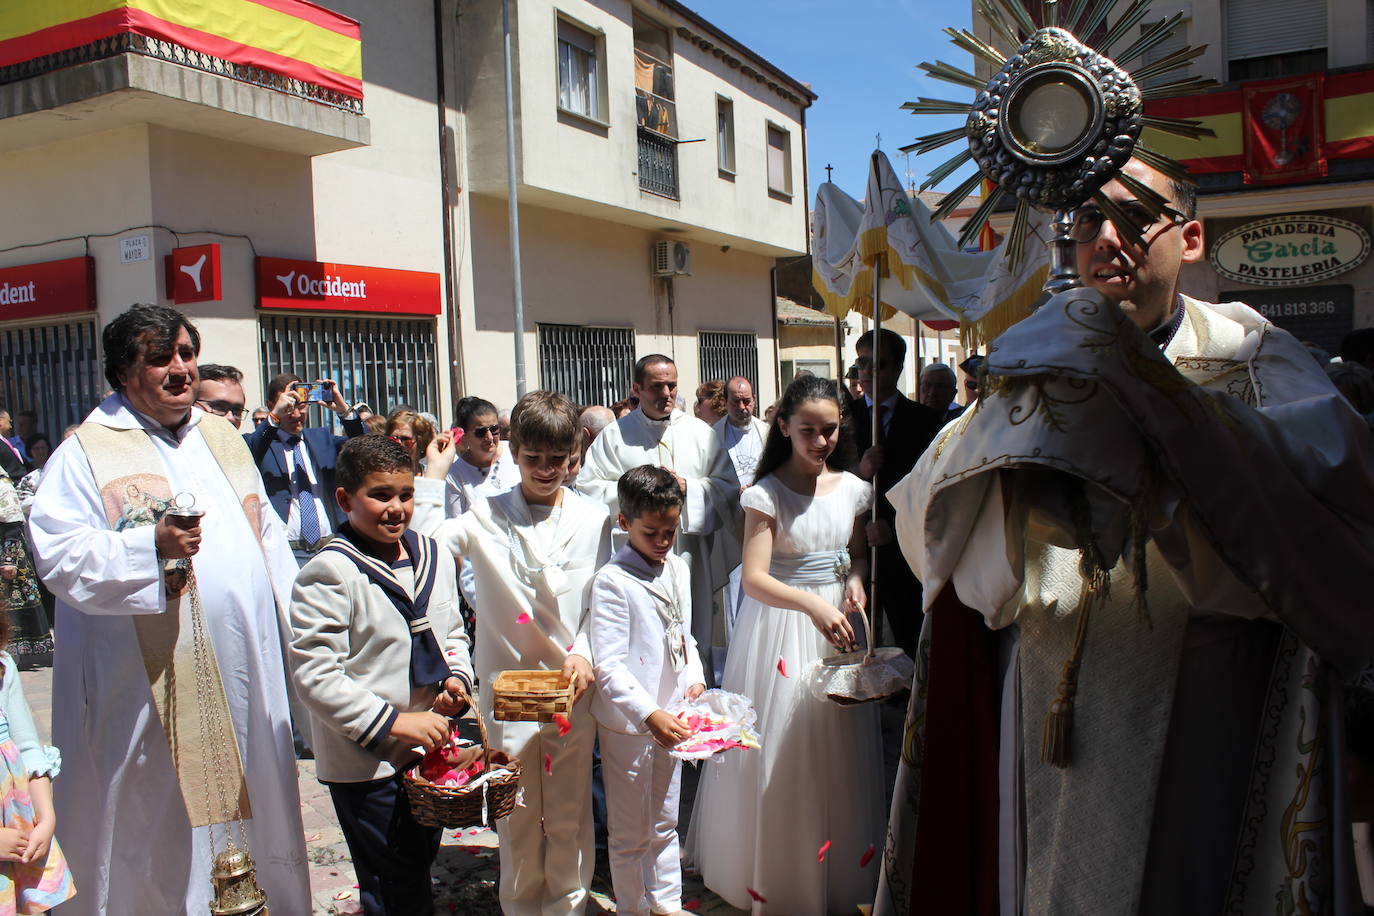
(590,272)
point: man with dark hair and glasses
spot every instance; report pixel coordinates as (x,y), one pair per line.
(1146,559)
(221,392)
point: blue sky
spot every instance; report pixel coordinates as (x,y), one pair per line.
(860,57)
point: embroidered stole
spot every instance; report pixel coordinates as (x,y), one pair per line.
(134,493)
(427,665)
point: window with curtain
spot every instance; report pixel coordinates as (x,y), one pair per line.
(725,134)
(579,86)
(779,160)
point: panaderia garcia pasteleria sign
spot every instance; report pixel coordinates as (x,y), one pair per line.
(1290,250)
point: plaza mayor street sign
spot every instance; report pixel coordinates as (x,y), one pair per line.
(1295,250)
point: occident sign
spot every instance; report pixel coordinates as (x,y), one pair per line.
(284,283)
(47,288)
(1296,250)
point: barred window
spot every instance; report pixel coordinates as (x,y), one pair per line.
(589,365)
(53,370)
(726,354)
(386,362)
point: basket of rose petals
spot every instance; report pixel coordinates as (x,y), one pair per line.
(463,784)
(719,721)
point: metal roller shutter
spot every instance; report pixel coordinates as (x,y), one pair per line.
(1258,28)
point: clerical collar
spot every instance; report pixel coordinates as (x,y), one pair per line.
(648,419)
(1164,333)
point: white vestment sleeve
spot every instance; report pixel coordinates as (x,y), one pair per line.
(600,472)
(694,673)
(81,560)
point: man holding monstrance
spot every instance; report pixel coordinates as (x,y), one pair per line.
(1145,550)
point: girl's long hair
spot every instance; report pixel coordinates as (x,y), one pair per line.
(777,449)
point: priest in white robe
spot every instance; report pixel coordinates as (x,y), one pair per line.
(741,435)
(129,838)
(657,433)
(1145,554)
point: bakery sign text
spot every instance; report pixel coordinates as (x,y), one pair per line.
(1294,250)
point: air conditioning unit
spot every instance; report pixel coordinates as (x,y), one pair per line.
(671,259)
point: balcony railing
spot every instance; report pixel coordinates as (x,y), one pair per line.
(158,49)
(657,164)
(290,46)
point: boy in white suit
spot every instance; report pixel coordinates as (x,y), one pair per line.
(380,658)
(533,550)
(641,635)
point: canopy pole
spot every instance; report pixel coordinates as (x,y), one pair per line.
(876,354)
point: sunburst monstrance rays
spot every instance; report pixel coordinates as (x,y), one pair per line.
(1012,25)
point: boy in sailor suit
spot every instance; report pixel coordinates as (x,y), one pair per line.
(533,549)
(380,658)
(641,635)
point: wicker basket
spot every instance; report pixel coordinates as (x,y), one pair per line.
(466,806)
(531,696)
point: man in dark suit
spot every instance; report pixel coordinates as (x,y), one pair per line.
(906,429)
(297,464)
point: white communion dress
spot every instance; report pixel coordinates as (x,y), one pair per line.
(793,822)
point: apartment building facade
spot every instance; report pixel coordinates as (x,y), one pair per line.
(324,191)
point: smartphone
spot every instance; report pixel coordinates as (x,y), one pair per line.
(457,434)
(304,392)
(321,393)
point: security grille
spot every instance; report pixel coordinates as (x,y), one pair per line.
(589,365)
(386,362)
(726,354)
(53,370)
(657,164)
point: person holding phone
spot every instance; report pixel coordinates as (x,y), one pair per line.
(297,463)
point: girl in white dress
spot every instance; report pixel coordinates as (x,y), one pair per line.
(789,828)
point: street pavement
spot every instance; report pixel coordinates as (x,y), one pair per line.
(467,870)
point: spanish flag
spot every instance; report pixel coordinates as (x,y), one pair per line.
(1316,118)
(294,38)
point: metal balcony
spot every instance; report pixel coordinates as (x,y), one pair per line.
(657,164)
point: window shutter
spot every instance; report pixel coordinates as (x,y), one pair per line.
(1258,28)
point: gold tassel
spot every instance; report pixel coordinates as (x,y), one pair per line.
(1056,735)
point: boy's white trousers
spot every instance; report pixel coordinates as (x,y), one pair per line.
(547,849)
(642,790)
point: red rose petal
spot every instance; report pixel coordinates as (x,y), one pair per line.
(523,618)
(756,895)
(548,764)
(692,905)
(564,726)
(782,667)
(825,847)
(866,857)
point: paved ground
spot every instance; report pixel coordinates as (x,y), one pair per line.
(466,871)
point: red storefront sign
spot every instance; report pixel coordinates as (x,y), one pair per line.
(48,288)
(193,274)
(287,284)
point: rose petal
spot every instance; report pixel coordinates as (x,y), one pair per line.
(343,895)
(756,895)
(825,847)
(692,905)
(474,831)
(523,618)
(312,838)
(564,726)
(548,764)
(782,667)
(866,857)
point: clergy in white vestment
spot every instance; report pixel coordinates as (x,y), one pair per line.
(741,434)
(134,591)
(657,433)
(1145,553)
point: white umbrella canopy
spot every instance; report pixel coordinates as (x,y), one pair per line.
(923,272)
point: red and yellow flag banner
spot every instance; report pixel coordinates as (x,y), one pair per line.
(295,38)
(1332,114)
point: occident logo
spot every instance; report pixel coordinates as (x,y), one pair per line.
(302,284)
(16,293)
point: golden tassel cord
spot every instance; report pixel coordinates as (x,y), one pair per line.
(1056,736)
